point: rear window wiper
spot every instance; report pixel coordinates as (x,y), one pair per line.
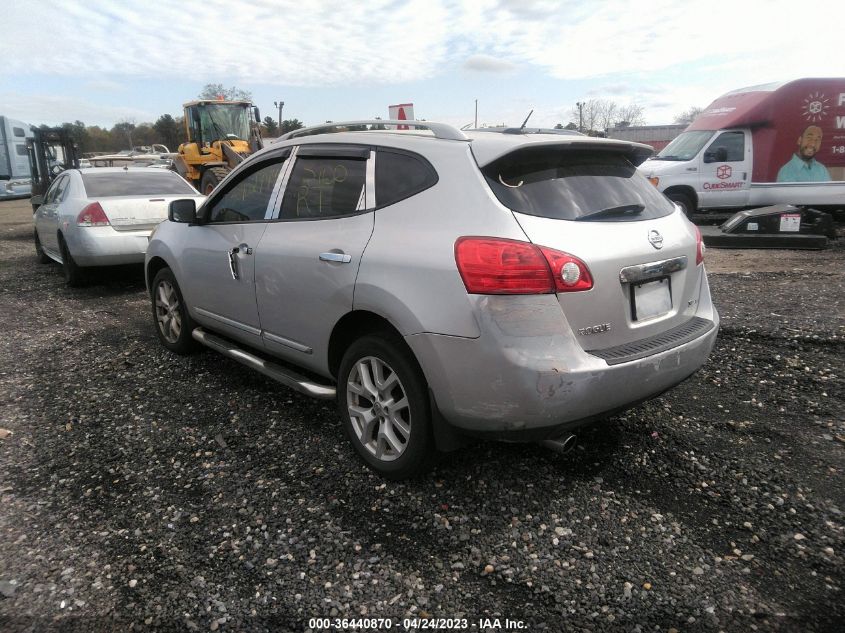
(625,209)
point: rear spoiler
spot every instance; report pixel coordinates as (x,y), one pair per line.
(637,153)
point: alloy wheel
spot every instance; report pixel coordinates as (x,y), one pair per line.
(378,408)
(168,314)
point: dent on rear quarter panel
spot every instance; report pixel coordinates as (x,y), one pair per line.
(539,326)
(523,315)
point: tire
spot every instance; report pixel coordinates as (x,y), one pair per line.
(211,178)
(39,251)
(684,200)
(396,444)
(75,275)
(172,322)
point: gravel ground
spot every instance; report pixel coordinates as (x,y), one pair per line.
(141,491)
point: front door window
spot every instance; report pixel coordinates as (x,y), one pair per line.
(248,199)
(733,144)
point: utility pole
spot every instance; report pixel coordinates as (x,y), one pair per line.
(476,114)
(580,105)
(280,105)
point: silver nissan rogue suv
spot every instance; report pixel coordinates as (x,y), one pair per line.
(440,284)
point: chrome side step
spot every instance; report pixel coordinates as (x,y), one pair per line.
(278,373)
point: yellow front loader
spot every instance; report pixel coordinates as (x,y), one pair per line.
(220,135)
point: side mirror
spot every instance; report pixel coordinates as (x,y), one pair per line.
(257,114)
(184,211)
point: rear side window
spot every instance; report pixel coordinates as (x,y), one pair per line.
(569,184)
(135,183)
(57,191)
(324,187)
(400,175)
(18,131)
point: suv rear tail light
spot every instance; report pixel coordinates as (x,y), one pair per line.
(569,273)
(496,266)
(92,215)
(699,247)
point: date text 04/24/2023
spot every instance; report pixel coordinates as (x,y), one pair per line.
(415,624)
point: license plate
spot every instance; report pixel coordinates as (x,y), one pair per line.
(651,299)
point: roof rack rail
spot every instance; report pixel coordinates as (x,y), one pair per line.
(440,130)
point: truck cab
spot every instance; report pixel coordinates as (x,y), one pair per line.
(772,144)
(705,169)
(15,179)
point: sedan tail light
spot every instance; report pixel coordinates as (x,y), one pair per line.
(92,215)
(699,247)
(496,266)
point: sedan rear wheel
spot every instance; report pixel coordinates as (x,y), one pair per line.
(173,323)
(74,274)
(39,251)
(383,400)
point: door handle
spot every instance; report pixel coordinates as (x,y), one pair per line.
(341,258)
(233,262)
(233,265)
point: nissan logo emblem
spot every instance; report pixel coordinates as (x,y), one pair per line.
(656,239)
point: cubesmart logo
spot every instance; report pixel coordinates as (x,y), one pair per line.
(815,107)
(723,172)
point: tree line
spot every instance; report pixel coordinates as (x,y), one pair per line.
(596,116)
(593,117)
(167,130)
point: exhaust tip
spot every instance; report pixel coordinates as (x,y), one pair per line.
(563,444)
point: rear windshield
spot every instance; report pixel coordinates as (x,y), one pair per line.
(569,184)
(135,183)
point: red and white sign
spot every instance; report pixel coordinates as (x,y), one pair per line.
(790,222)
(401,112)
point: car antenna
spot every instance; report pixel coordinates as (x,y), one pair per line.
(522,127)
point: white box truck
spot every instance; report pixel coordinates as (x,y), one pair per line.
(14,160)
(772,144)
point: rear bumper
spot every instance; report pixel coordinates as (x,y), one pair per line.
(103,246)
(511,383)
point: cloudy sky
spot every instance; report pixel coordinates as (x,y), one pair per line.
(102,61)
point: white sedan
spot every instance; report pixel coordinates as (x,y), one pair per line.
(104,216)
